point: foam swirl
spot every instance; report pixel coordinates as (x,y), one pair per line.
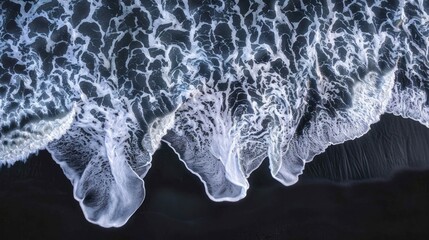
(225,83)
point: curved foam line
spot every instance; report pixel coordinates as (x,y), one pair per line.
(38,136)
(289,83)
(375,117)
(102,222)
(229,199)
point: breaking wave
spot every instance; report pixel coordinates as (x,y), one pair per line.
(225,83)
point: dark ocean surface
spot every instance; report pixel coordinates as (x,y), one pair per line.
(36,199)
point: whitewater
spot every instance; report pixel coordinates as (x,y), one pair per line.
(100,84)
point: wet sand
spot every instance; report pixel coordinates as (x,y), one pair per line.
(36,200)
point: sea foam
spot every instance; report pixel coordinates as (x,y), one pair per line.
(226,84)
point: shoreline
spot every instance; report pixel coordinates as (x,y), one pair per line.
(37,200)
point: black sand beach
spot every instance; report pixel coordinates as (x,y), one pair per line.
(36,200)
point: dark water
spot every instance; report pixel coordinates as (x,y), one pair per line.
(36,198)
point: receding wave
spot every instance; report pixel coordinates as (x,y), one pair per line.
(226,84)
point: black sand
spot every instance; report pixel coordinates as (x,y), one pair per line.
(36,200)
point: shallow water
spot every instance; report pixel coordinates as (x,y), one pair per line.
(36,200)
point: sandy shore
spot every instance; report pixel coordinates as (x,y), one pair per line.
(36,199)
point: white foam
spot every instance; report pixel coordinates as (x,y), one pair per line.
(286,90)
(18,144)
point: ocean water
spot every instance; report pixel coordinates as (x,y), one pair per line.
(225,84)
(37,200)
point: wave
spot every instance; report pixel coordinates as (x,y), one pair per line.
(226,84)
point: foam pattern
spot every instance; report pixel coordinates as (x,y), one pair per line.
(226,84)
